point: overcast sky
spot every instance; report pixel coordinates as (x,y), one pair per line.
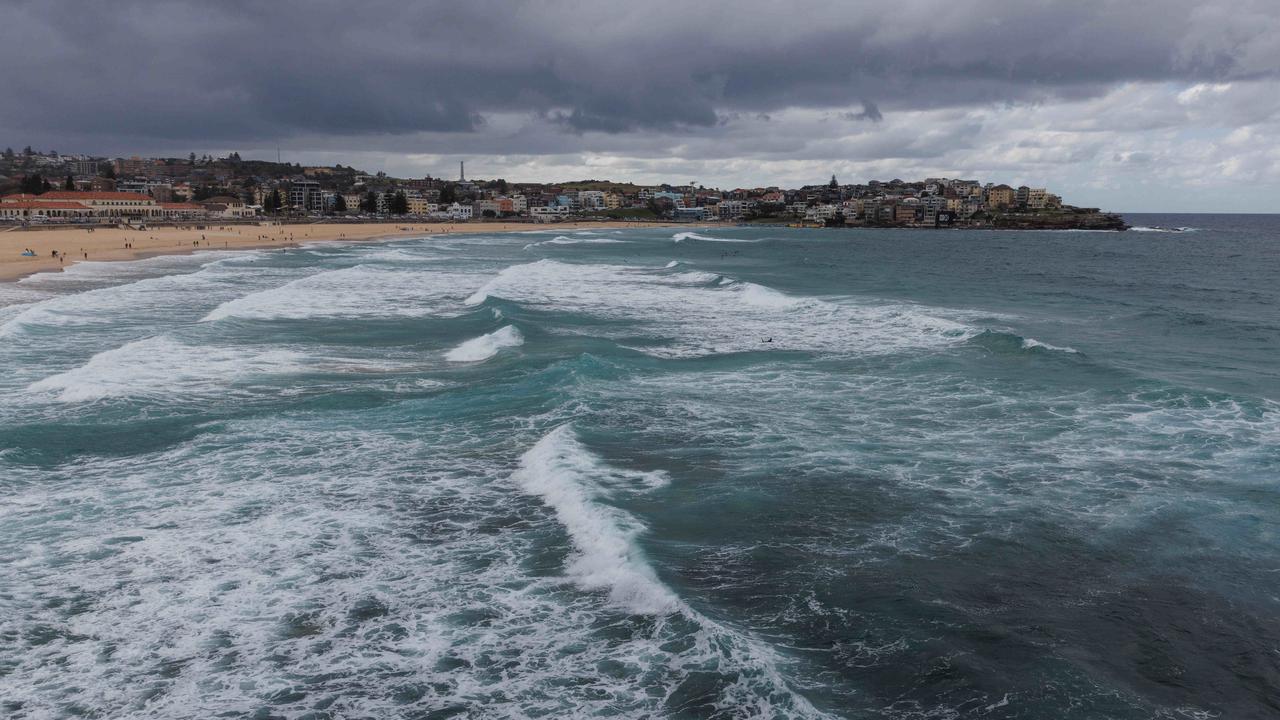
(1162,105)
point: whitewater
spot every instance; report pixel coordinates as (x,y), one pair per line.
(727,472)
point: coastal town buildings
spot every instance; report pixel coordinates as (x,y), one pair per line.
(37,187)
(307,195)
(1000,196)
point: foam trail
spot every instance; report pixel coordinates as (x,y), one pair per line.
(358,291)
(561,472)
(571,481)
(1031,343)
(105,306)
(679,237)
(160,366)
(563,240)
(486,346)
(701,313)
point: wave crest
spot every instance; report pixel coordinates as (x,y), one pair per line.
(486,346)
(680,237)
(568,480)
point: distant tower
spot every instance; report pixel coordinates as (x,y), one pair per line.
(833,185)
(462,171)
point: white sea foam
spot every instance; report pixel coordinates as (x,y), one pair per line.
(14,301)
(359,291)
(120,271)
(161,366)
(679,237)
(762,296)
(157,298)
(1030,343)
(413,254)
(563,240)
(486,346)
(568,479)
(698,313)
(576,484)
(286,562)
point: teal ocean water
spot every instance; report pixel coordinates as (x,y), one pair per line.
(646,473)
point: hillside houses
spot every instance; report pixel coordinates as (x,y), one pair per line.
(80,188)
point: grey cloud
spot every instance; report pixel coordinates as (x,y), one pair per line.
(1133,158)
(204,71)
(869,112)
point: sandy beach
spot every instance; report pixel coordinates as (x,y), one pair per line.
(78,245)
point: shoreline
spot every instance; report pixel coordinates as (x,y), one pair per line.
(108,244)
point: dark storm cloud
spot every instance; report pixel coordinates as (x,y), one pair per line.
(253,71)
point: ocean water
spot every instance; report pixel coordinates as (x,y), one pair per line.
(650,473)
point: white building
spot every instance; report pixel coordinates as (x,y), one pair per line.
(549,213)
(733,209)
(591,200)
(822,213)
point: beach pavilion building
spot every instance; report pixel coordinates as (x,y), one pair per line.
(77,204)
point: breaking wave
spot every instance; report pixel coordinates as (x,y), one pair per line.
(680,237)
(161,366)
(1010,343)
(564,240)
(571,481)
(486,346)
(575,485)
(359,291)
(698,313)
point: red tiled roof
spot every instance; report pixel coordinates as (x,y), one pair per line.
(42,204)
(102,195)
(181,206)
